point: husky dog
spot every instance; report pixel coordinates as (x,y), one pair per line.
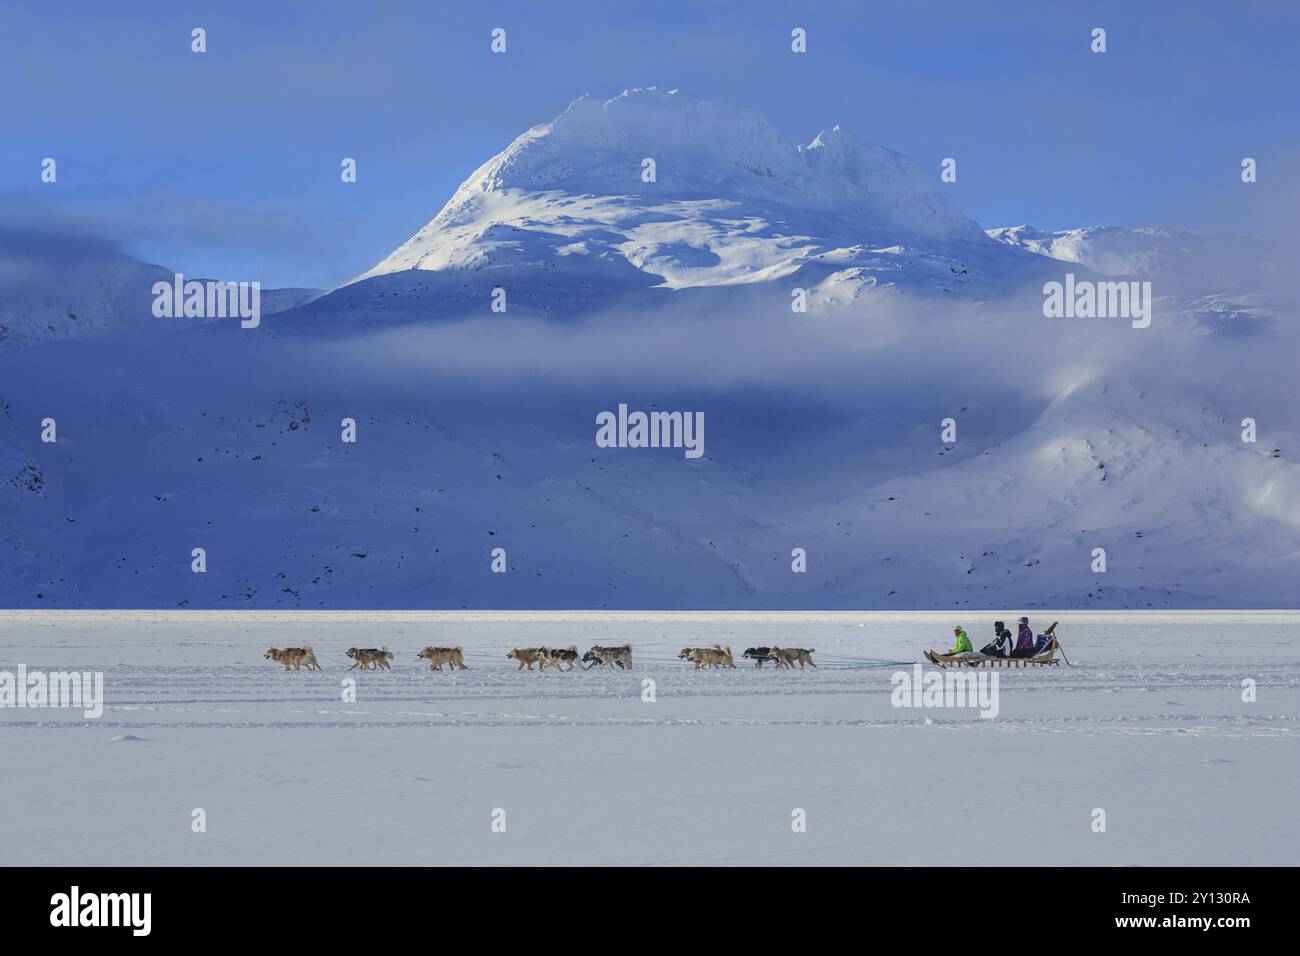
(368,657)
(758,655)
(293,657)
(525,656)
(437,656)
(715,656)
(692,654)
(789,656)
(610,656)
(555,656)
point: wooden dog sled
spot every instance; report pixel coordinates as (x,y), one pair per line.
(975,659)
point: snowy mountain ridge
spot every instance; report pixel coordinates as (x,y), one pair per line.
(1188,259)
(730,201)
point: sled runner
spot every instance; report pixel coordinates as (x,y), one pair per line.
(975,659)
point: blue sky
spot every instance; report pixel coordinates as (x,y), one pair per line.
(226,164)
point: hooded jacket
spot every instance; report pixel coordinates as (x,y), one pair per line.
(1026,640)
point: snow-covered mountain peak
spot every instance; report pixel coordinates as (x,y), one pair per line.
(671,121)
(882,185)
(596,146)
(687,191)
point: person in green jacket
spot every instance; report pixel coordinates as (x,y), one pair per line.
(963,642)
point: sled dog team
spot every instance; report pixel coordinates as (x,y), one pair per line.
(376,658)
(366,658)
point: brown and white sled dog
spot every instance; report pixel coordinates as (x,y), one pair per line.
(526,656)
(609,656)
(293,657)
(789,656)
(715,656)
(555,656)
(437,656)
(368,657)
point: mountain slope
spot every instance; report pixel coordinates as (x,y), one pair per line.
(1183,261)
(58,290)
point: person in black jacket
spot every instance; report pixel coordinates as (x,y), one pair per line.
(1001,644)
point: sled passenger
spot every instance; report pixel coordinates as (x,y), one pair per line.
(1025,642)
(962,642)
(1001,644)
(992,646)
(1008,641)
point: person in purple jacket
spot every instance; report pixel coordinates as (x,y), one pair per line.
(1025,641)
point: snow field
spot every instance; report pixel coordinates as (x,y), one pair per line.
(1149,726)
